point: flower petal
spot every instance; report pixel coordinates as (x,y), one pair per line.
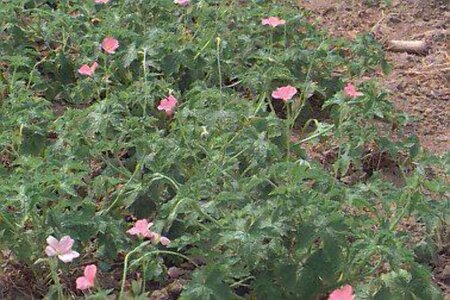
(50,251)
(89,272)
(94,66)
(164,241)
(110,45)
(350,91)
(181,2)
(133,231)
(273,21)
(68,257)
(83,283)
(141,225)
(343,293)
(52,241)
(284,93)
(65,244)
(168,105)
(85,70)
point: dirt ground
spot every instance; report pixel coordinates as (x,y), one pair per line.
(419,84)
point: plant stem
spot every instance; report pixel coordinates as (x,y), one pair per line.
(164,252)
(218,40)
(288,131)
(53,263)
(135,173)
(316,134)
(144,268)
(125,267)
(144,67)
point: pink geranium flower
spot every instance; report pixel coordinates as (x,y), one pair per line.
(87,281)
(350,91)
(157,238)
(273,21)
(164,241)
(101,1)
(284,93)
(61,248)
(88,70)
(110,45)
(141,228)
(343,293)
(181,2)
(168,105)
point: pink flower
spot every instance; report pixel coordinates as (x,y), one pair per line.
(87,281)
(168,105)
(157,238)
(181,2)
(141,228)
(350,91)
(164,241)
(110,45)
(284,93)
(273,21)
(344,293)
(101,1)
(88,70)
(61,248)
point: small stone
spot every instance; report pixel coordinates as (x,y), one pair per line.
(442,139)
(394,19)
(419,109)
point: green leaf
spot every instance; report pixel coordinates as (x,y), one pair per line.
(208,283)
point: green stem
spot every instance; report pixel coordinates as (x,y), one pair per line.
(271,44)
(316,135)
(11,226)
(260,103)
(288,131)
(201,212)
(53,263)
(164,252)
(144,67)
(137,170)
(158,176)
(401,214)
(144,268)
(220,71)
(125,267)
(239,283)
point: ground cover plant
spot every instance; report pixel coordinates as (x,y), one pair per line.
(159,148)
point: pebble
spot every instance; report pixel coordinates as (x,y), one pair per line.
(395,20)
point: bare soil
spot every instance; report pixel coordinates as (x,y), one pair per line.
(419,84)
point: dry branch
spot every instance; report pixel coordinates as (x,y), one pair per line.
(416,47)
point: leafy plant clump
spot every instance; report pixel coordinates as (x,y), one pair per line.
(152,143)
